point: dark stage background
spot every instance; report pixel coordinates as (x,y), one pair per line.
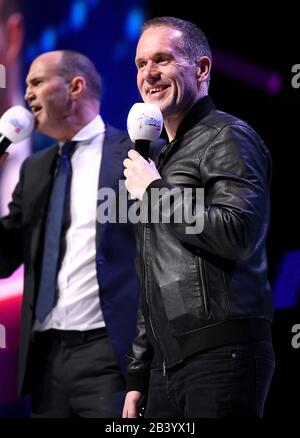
(254,52)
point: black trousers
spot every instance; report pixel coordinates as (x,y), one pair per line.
(228,381)
(75,374)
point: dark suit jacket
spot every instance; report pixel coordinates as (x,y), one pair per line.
(21,241)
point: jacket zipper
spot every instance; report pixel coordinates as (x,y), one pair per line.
(200,266)
(147,302)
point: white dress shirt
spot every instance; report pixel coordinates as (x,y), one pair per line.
(78,304)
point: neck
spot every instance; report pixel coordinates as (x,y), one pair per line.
(173,121)
(74,124)
(80,114)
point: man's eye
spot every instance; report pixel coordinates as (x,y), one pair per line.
(163,61)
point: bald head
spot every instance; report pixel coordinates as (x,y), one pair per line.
(76,64)
(53,58)
(70,64)
(62,90)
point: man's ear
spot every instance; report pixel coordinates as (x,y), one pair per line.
(77,87)
(203,68)
(14,30)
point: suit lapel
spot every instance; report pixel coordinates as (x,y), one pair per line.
(111,171)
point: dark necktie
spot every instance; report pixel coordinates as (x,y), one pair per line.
(53,233)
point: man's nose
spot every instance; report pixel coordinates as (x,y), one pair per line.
(29,95)
(150,71)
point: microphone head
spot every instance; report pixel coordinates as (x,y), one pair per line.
(16,123)
(144,122)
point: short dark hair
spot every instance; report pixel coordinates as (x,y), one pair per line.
(74,64)
(194,42)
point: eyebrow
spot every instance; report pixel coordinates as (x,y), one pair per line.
(33,79)
(156,55)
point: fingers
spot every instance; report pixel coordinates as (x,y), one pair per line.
(133,158)
(133,154)
(129,410)
(127,173)
(125,412)
(131,162)
(127,163)
(139,173)
(130,405)
(129,413)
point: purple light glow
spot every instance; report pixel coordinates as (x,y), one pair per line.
(254,75)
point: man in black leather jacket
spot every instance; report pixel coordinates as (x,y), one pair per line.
(203,347)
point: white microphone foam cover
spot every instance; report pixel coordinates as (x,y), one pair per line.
(16,123)
(144,122)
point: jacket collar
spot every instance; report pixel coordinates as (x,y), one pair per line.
(197,113)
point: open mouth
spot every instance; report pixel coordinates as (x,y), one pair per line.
(36,109)
(156,91)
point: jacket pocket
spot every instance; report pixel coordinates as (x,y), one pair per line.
(185,297)
(203,284)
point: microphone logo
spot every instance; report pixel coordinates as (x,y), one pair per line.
(144,122)
(16,124)
(149,121)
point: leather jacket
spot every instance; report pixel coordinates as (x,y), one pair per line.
(205,289)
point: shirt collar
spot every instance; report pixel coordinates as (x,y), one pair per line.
(90,131)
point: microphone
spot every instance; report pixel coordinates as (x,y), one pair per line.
(144,124)
(16,124)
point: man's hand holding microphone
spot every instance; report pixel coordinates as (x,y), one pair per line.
(16,124)
(144,125)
